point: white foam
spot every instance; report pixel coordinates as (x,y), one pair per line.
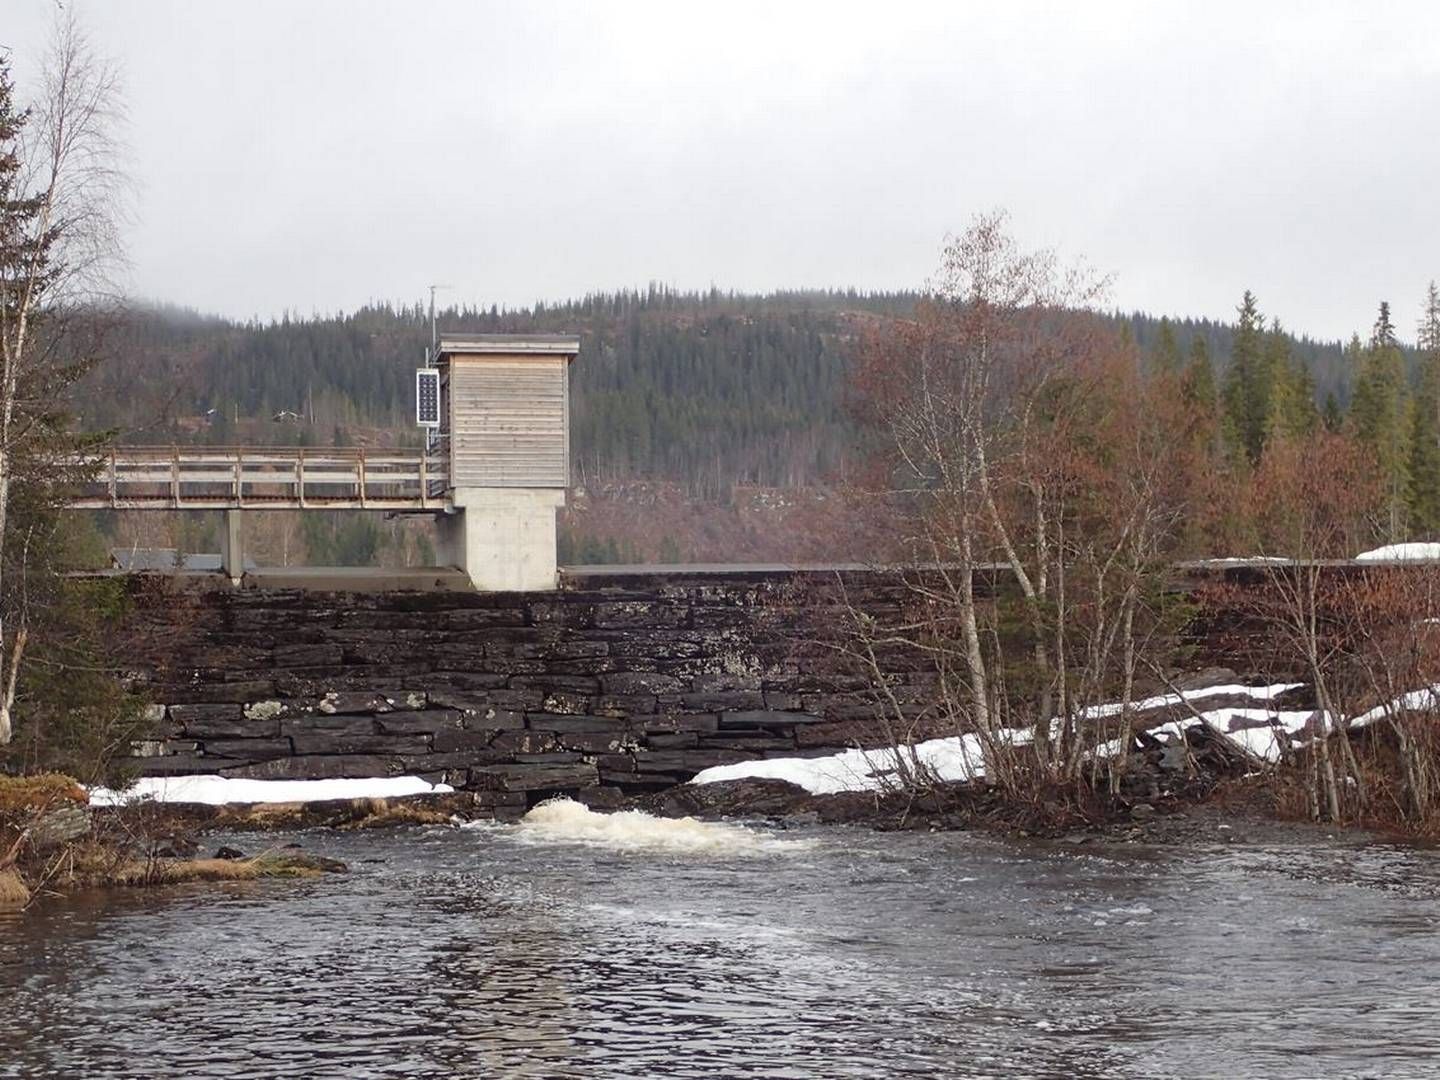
(221,790)
(565,821)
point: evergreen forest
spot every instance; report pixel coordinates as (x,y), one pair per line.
(713,391)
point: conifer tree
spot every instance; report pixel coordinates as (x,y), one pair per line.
(1424,463)
(1290,397)
(1198,383)
(1165,356)
(1332,417)
(1381,414)
(1247,384)
(1197,390)
(1429,337)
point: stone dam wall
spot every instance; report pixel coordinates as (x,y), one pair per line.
(606,686)
(610,685)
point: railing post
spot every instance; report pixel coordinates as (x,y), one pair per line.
(300,478)
(239,496)
(424,481)
(361,474)
(113,481)
(175,476)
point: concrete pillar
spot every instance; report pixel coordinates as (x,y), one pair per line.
(503,538)
(232,547)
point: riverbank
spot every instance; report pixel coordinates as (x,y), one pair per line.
(1211,810)
(1210,792)
(52,842)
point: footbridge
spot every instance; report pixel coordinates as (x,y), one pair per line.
(266,478)
(495,410)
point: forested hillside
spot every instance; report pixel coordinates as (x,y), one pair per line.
(690,406)
(707,390)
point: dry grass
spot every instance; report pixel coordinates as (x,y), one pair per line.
(366,813)
(19,794)
(179,871)
(13,892)
(94,864)
(380,814)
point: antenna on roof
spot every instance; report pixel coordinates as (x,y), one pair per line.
(434,337)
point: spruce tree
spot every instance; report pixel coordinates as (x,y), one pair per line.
(1290,396)
(1428,339)
(1424,463)
(1165,356)
(1247,383)
(1381,414)
(1423,466)
(1332,417)
(1197,391)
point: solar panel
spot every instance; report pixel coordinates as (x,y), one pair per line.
(427,397)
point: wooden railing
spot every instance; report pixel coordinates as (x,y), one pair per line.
(265,478)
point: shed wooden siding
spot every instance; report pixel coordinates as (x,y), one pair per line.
(509,421)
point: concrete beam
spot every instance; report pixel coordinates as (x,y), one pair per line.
(232,547)
(503,538)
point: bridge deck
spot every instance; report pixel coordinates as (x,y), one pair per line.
(265,478)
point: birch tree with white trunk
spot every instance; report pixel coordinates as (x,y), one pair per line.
(60,188)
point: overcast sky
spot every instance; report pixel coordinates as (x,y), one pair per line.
(313,156)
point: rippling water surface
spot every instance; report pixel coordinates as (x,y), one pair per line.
(534,952)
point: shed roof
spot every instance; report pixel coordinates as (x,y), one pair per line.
(509,344)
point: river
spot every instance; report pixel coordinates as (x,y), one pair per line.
(585,947)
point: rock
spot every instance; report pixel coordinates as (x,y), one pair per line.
(1142,811)
(772,798)
(329,743)
(446,742)
(354,702)
(279,865)
(534,777)
(524,742)
(229,853)
(426,722)
(314,767)
(59,827)
(766,718)
(552,722)
(264,710)
(1174,757)
(186,764)
(604,797)
(641,682)
(249,749)
(347,726)
(721,701)
(688,761)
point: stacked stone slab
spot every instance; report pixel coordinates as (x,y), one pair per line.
(616,684)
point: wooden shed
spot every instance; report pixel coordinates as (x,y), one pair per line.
(505,409)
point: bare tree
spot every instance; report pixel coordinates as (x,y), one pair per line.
(1025,448)
(59,200)
(1315,498)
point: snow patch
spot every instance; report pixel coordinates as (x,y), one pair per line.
(1262,731)
(958,757)
(1426,699)
(220,790)
(1400,552)
(1255,693)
